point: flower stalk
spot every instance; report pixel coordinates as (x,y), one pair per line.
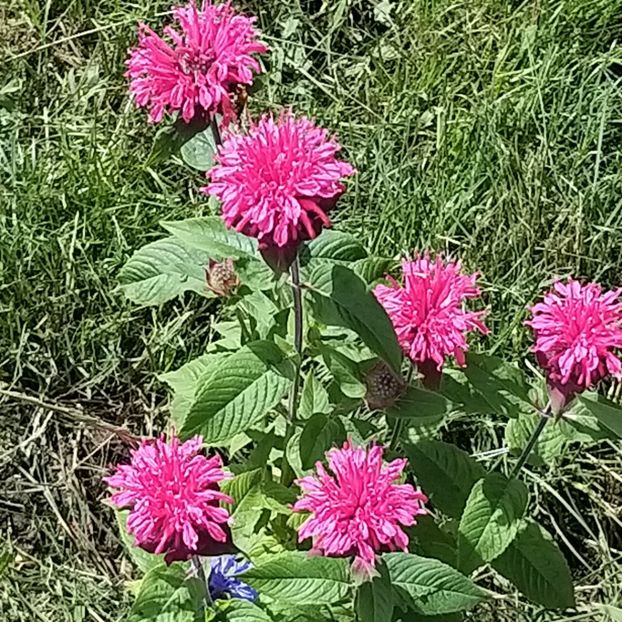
(292,411)
(535,435)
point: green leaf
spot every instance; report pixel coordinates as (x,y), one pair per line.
(445,473)
(198,152)
(144,561)
(371,268)
(300,579)
(429,540)
(246,515)
(345,371)
(239,486)
(314,398)
(462,395)
(331,246)
(374,599)
(210,235)
(260,311)
(341,299)
(163,270)
(184,382)
(491,518)
(410,616)
(536,566)
(320,433)
(430,587)
(164,596)
(234,397)
(550,444)
(606,412)
(501,384)
(242,611)
(420,407)
(292,453)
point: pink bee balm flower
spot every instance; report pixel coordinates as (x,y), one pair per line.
(277,183)
(358,509)
(172,493)
(576,328)
(428,312)
(200,68)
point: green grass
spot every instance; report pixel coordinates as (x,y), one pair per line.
(488,129)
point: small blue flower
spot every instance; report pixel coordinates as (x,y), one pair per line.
(222,579)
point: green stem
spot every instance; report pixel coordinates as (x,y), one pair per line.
(535,435)
(286,471)
(215,131)
(195,560)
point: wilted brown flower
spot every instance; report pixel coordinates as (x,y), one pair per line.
(221,277)
(384,387)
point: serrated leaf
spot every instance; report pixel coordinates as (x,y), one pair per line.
(420,407)
(550,444)
(321,432)
(247,513)
(371,268)
(501,384)
(234,397)
(314,398)
(239,486)
(445,473)
(163,270)
(184,382)
(198,151)
(164,596)
(341,299)
(430,587)
(606,412)
(144,561)
(490,520)
(210,235)
(536,566)
(236,610)
(300,579)
(374,599)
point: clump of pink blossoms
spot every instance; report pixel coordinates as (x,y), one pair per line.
(577,328)
(428,314)
(278,182)
(172,493)
(358,509)
(198,70)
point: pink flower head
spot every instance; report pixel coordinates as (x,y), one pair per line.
(358,508)
(172,493)
(576,328)
(199,69)
(277,182)
(428,311)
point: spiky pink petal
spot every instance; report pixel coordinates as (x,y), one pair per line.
(209,53)
(577,328)
(357,509)
(427,310)
(278,182)
(172,493)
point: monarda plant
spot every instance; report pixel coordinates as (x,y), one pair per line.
(301,477)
